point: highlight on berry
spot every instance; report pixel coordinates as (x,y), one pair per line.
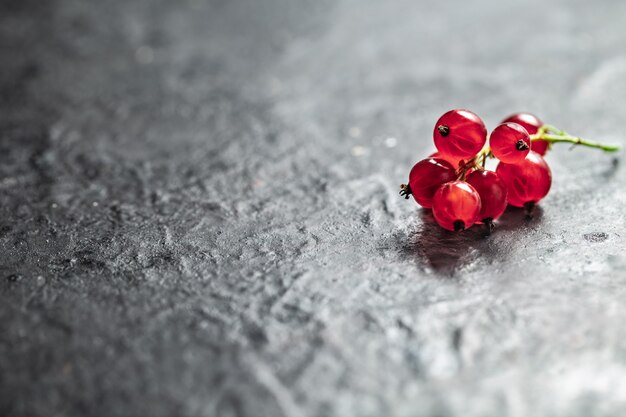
(455,183)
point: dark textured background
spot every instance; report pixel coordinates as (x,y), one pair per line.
(199,211)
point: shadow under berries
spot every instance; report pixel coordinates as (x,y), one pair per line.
(447,253)
(443,251)
(516,218)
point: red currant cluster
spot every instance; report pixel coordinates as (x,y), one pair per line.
(461,192)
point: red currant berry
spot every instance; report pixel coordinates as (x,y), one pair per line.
(453,162)
(492,192)
(459,134)
(540,146)
(425,177)
(456,205)
(510,143)
(527,182)
(531,123)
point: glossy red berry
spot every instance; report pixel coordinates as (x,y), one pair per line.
(428,175)
(540,146)
(510,143)
(456,205)
(459,134)
(531,123)
(453,162)
(492,192)
(527,182)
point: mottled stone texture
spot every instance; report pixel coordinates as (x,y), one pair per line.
(199,211)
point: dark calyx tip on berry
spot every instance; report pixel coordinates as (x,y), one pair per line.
(458,225)
(529,208)
(489,224)
(443,130)
(405,190)
(520,145)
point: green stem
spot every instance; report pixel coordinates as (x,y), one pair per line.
(546,132)
(477,162)
(555,130)
(563,137)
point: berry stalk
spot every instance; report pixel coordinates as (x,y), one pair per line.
(476,162)
(553,135)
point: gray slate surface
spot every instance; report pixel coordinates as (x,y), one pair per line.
(199,211)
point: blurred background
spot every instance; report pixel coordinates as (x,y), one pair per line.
(199,211)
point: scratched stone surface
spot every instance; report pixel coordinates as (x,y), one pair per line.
(199,211)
